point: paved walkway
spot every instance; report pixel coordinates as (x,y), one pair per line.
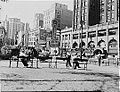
(47,79)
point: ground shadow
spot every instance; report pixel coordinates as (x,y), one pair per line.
(111,75)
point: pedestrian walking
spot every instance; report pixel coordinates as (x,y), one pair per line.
(68,63)
(101,52)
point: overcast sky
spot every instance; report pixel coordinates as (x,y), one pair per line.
(25,9)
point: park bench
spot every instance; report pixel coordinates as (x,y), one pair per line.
(17,60)
(49,60)
(112,60)
(79,61)
(93,60)
(14,57)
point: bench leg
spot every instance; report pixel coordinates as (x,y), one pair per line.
(37,63)
(32,63)
(10,63)
(86,66)
(56,64)
(17,63)
(108,63)
(50,64)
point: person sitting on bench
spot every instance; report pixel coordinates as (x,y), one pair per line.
(23,57)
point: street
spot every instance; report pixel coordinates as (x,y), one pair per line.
(95,78)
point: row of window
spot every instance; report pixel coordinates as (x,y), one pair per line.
(66,37)
(47,22)
(31,34)
(31,43)
(90,34)
(32,39)
(66,45)
(84,4)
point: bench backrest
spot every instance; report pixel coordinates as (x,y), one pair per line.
(15,52)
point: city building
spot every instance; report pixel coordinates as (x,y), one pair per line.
(5,23)
(94,25)
(2,36)
(37,37)
(26,34)
(2,3)
(20,34)
(59,12)
(14,28)
(66,39)
(38,21)
(32,38)
(2,32)
(56,18)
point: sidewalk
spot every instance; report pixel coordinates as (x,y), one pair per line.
(43,68)
(104,78)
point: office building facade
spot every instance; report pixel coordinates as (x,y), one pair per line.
(103,25)
(37,37)
(59,12)
(38,21)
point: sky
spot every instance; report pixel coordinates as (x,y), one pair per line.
(26,9)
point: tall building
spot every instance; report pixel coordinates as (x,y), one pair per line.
(2,2)
(14,27)
(2,32)
(26,34)
(15,30)
(93,12)
(80,13)
(93,21)
(59,12)
(37,37)
(109,11)
(20,34)
(38,21)
(5,23)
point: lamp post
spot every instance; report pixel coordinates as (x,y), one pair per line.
(118,42)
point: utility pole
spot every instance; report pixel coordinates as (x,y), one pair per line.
(81,27)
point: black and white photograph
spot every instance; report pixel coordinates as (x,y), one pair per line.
(59,45)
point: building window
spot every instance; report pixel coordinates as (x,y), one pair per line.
(102,33)
(112,31)
(62,37)
(113,7)
(112,16)
(69,36)
(83,35)
(113,1)
(92,34)
(66,37)
(75,36)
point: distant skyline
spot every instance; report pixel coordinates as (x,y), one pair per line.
(26,9)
